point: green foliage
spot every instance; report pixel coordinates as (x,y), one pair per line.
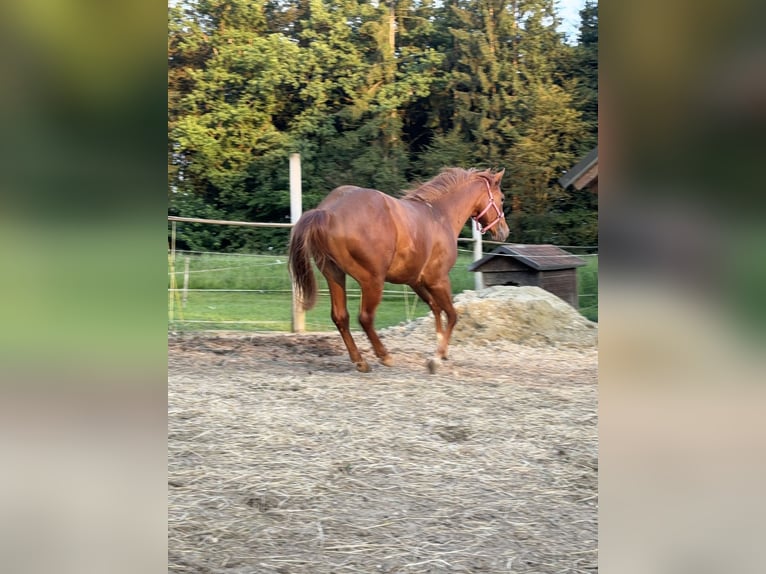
(376,95)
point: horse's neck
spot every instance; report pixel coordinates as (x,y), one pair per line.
(458,205)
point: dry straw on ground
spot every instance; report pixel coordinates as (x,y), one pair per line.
(284,459)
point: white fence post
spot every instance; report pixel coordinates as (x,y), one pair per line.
(296,210)
(477,254)
(186,280)
(172,265)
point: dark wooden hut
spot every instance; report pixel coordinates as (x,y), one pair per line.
(584,174)
(545,266)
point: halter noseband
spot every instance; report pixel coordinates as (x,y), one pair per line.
(500,214)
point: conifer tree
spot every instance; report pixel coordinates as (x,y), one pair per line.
(586,94)
(548,129)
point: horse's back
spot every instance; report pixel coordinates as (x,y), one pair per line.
(359,210)
(366,228)
(350,197)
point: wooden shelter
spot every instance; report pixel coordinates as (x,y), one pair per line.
(545,266)
(584,174)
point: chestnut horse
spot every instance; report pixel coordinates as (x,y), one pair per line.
(376,238)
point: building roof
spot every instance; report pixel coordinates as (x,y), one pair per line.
(582,168)
(539,257)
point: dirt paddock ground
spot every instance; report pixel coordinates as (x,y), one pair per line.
(284,459)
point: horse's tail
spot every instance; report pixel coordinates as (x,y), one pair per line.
(307,240)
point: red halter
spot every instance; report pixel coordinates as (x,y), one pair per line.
(500,214)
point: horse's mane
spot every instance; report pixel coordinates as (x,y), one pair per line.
(442,183)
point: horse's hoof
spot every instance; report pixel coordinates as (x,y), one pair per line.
(362,366)
(433,365)
(388,361)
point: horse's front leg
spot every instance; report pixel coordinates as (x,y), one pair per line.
(372,295)
(443,298)
(439,298)
(425,294)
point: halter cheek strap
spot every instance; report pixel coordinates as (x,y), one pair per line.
(491,204)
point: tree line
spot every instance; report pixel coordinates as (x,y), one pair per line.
(376,94)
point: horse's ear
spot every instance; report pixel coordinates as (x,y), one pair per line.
(499,176)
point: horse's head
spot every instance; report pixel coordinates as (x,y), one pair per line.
(488,213)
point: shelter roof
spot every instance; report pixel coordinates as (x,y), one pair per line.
(585,171)
(542,257)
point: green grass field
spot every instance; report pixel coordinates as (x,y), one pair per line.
(587,285)
(252,293)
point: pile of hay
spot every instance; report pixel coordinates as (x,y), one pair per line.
(525,315)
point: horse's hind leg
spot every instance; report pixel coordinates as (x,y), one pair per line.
(336,281)
(372,294)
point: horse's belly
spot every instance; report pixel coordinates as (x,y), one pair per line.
(404,269)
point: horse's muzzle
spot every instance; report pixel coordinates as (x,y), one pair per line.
(500,231)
